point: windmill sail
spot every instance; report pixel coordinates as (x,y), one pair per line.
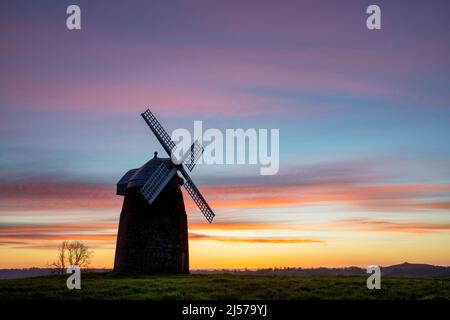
(196,152)
(191,156)
(158,180)
(159,132)
(197,197)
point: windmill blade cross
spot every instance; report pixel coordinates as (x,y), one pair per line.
(197,197)
(159,131)
(157,181)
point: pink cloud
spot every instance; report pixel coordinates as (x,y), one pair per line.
(353,185)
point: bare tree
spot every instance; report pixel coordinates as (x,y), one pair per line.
(59,265)
(78,254)
(73,253)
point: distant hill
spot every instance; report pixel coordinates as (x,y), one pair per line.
(402,270)
(416,270)
(34,272)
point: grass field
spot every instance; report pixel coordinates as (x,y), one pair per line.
(223,286)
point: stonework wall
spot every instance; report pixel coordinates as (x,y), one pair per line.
(153,238)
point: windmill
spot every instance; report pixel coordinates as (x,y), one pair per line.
(152,236)
(167,170)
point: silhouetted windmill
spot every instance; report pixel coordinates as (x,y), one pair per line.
(153,236)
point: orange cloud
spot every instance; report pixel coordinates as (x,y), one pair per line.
(98,235)
(27,229)
(360,224)
(361,193)
(196,236)
(240,225)
(47,236)
(392,197)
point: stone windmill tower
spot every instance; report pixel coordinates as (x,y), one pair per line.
(153,234)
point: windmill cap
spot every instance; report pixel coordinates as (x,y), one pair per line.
(139,176)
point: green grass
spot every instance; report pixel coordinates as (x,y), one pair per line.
(223,286)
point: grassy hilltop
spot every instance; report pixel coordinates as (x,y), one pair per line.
(223,286)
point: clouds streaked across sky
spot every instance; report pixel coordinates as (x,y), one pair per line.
(363,118)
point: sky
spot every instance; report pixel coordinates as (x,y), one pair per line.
(363,117)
